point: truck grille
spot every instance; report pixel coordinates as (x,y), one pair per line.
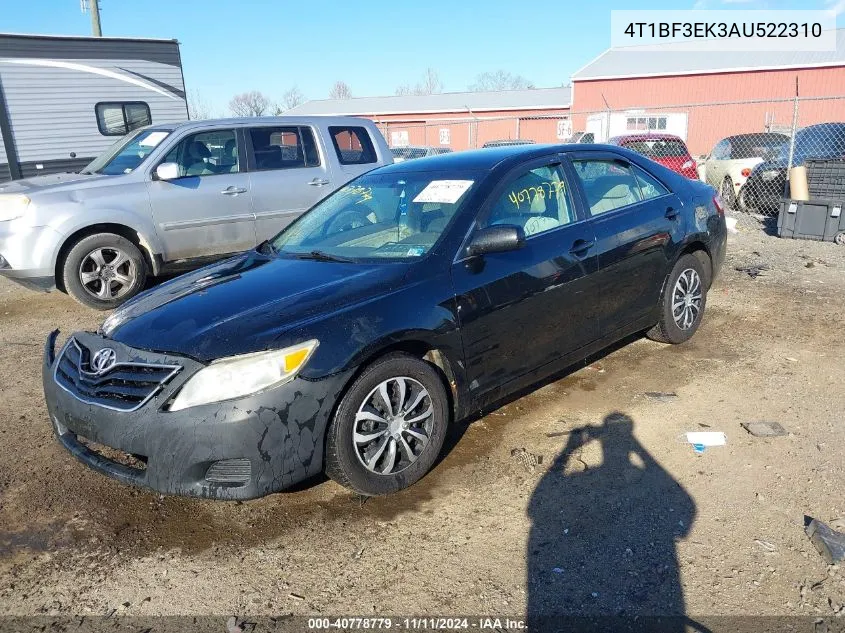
(125,386)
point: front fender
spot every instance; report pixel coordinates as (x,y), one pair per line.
(67,224)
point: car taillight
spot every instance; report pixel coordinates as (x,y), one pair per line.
(746,172)
(720,206)
(688,164)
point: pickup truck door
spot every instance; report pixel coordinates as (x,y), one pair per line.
(288,174)
(206,210)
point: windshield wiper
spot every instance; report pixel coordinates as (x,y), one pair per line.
(322,256)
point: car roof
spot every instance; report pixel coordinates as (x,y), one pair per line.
(757,135)
(263,120)
(647,136)
(487,158)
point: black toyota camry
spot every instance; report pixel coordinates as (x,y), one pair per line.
(409,298)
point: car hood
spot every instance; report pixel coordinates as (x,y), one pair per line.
(50,182)
(244,304)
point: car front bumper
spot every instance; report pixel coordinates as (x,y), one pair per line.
(237,449)
(28,254)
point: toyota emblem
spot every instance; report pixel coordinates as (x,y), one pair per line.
(103,360)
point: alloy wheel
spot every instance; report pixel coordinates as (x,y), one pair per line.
(107,273)
(686,299)
(393,425)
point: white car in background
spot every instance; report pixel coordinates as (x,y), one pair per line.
(410,152)
(729,164)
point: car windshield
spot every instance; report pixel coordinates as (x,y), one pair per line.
(397,216)
(127,154)
(755,146)
(658,148)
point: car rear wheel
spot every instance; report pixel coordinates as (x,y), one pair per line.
(683,302)
(727,193)
(743,200)
(389,427)
(103,270)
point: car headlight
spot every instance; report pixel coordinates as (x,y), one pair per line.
(239,376)
(769,174)
(13,206)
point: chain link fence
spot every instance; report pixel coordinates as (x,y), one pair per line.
(746,149)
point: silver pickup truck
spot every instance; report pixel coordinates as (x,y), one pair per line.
(167,198)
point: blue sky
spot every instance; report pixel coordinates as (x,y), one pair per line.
(229,46)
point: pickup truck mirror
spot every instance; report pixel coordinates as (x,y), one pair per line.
(496,239)
(167,171)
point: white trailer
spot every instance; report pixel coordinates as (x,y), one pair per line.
(605,125)
(63,100)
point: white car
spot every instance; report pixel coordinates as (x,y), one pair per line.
(729,164)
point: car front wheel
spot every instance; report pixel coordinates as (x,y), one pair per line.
(389,427)
(683,302)
(103,270)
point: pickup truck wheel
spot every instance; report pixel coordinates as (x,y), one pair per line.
(103,270)
(683,302)
(389,427)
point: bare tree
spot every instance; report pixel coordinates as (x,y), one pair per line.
(252,103)
(340,90)
(292,98)
(430,85)
(198,107)
(500,80)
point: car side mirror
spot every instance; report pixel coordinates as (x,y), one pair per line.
(167,171)
(496,239)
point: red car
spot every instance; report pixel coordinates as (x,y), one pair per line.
(666,149)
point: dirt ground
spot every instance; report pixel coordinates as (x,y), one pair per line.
(619,516)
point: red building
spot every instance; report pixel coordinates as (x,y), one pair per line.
(700,95)
(459,120)
(705,96)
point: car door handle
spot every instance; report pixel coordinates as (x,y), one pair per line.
(318,182)
(580,247)
(672,213)
(233,191)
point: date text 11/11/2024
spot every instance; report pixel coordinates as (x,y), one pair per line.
(416,623)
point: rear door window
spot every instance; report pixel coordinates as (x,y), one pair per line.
(608,184)
(650,187)
(353,145)
(283,147)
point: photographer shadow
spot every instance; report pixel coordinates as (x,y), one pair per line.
(602,545)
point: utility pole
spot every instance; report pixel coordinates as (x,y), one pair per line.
(94,7)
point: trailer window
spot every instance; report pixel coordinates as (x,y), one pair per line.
(119,118)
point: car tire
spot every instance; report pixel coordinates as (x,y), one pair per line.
(727,193)
(363,430)
(742,200)
(103,270)
(687,284)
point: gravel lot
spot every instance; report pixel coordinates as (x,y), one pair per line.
(619,516)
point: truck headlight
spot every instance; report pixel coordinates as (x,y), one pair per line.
(13,206)
(238,376)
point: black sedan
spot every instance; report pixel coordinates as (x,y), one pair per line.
(413,296)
